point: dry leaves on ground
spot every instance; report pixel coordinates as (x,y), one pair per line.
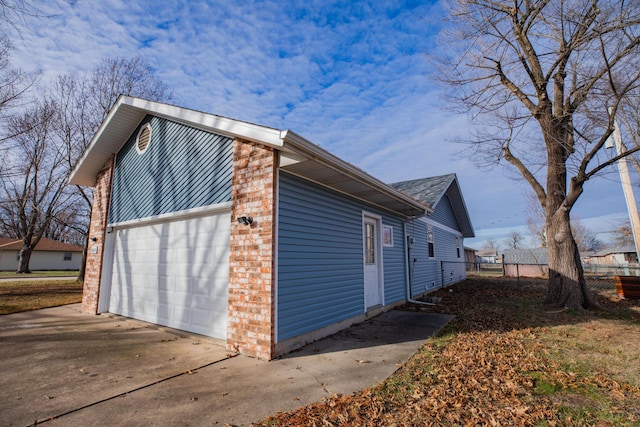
(493,366)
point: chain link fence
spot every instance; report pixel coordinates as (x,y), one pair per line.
(597,276)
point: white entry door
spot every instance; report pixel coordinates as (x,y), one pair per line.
(372,262)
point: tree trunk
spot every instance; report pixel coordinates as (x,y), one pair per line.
(83,262)
(23,260)
(567,286)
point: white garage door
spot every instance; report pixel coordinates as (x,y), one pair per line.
(174,274)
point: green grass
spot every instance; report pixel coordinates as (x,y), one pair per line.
(17,296)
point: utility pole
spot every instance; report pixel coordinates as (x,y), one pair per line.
(627,188)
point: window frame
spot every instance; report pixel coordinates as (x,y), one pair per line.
(67,258)
(370,249)
(146,126)
(387,231)
(431,247)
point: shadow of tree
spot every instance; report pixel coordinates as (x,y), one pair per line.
(503,304)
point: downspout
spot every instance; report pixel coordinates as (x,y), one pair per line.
(409,267)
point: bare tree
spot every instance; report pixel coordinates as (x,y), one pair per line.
(540,77)
(69,226)
(623,235)
(32,190)
(514,240)
(83,103)
(491,244)
(536,220)
(13,86)
(585,238)
(14,12)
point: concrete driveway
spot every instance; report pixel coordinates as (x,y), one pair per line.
(61,367)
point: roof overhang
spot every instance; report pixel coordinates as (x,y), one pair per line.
(454,193)
(300,157)
(127,113)
(318,165)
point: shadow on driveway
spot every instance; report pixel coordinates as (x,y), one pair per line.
(67,368)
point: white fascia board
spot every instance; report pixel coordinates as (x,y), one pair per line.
(126,107)
(435,203)
(314,152)
(460,206)
(73,176)
(211,122)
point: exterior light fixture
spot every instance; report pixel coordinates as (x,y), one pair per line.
(245,220)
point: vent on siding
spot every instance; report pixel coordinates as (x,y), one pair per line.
(144,139)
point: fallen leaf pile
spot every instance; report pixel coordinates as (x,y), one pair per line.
(490,367)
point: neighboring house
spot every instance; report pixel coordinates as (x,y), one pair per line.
(47,255)
(487,256)
(526,262)
(470,256)
(624,255)
(251,234)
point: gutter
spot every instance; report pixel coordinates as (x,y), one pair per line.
(312,151)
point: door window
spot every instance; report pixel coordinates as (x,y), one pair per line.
(370,243)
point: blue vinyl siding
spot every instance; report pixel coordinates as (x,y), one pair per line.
(424,271)
(395,281)
(183,168)
(320,257)
(444,214)
(432,273)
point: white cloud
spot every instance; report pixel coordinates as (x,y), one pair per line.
(352,78)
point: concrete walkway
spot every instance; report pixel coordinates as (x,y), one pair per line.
(61,367)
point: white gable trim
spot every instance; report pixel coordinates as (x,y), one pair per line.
(125,116)
(172,216)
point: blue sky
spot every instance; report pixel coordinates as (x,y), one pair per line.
(352,77)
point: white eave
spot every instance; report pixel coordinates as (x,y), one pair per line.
(127,113)
(305,159)
(326,169)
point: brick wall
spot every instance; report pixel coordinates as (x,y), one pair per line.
(251,265)
(97,228)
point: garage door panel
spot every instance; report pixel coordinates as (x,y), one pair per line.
(201,317)
(174,274)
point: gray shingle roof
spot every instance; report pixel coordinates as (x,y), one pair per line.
(616,250)
(526,256)
(427,190)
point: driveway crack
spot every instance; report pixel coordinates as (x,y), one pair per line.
(142,387)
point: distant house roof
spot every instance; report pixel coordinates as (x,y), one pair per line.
(45,244)
(526,256)
(487,252)
(616,250)
(432,189)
